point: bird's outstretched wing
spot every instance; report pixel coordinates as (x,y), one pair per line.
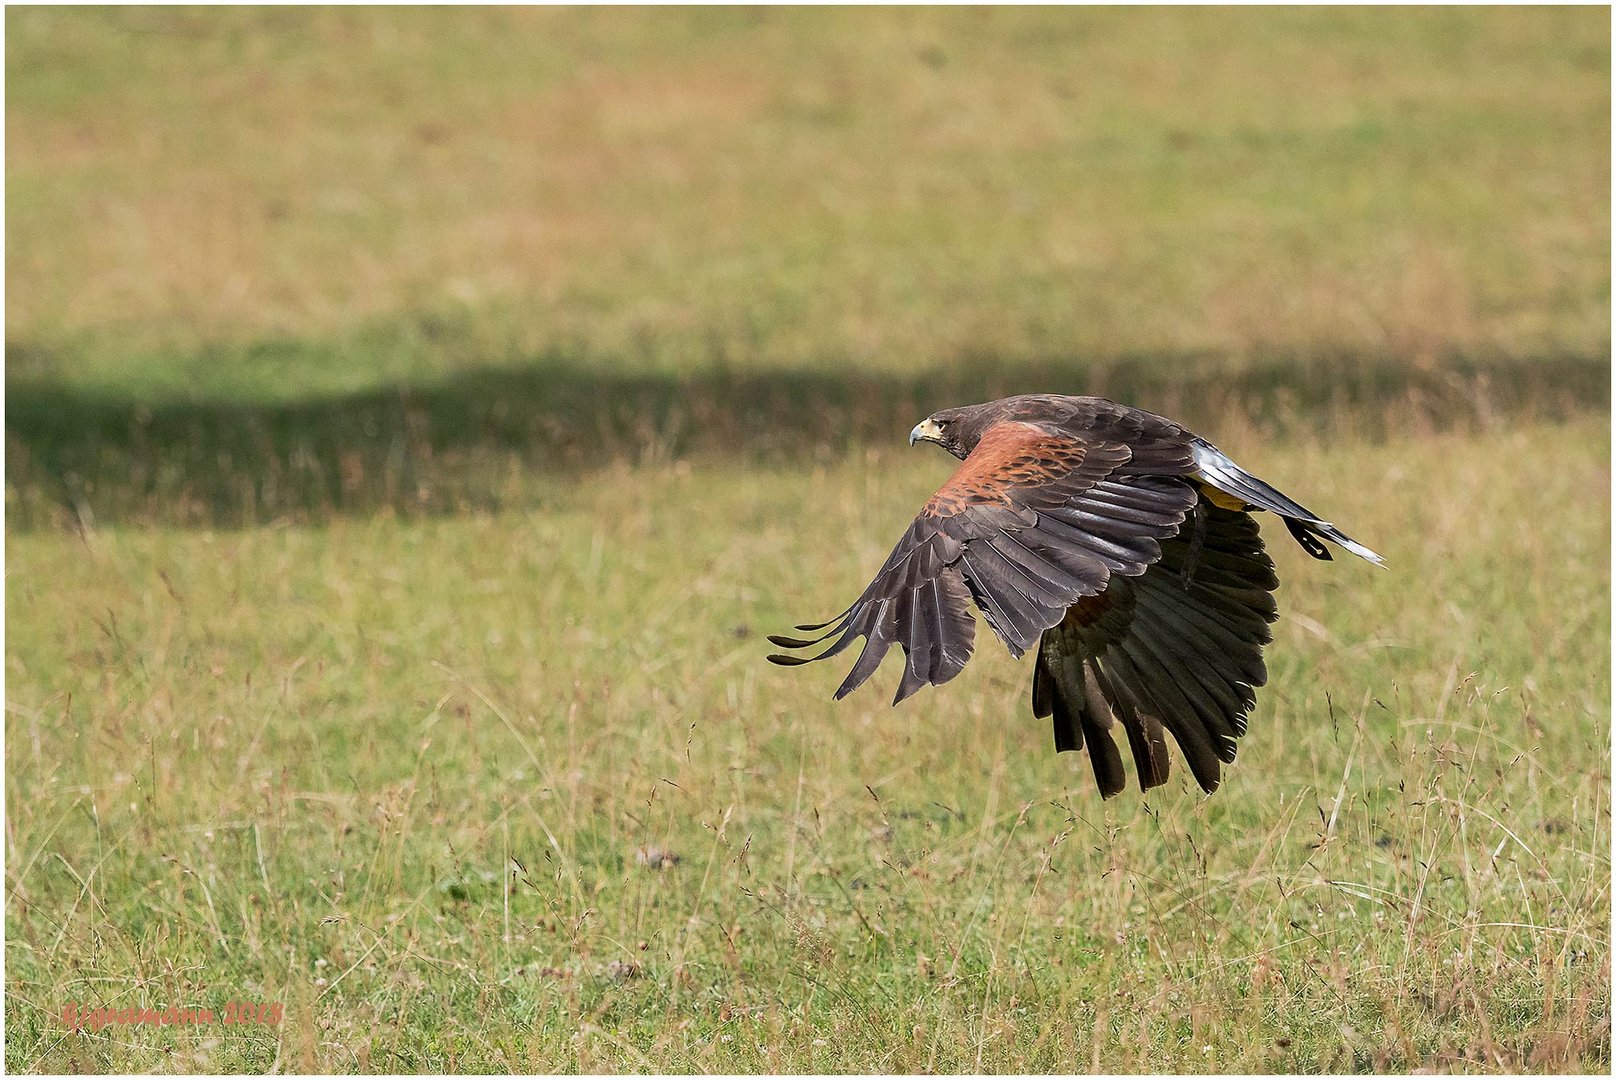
(1179,646)
(1032,521)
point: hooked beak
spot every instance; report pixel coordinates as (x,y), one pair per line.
(927,430)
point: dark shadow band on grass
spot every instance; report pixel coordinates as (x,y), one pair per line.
(478,441)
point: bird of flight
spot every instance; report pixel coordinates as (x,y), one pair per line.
(1121,544)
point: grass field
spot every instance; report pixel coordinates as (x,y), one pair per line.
(416,420)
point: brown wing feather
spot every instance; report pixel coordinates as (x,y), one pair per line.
(1178,647)
(1030,522)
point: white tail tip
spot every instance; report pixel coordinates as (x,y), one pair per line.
(1361,551)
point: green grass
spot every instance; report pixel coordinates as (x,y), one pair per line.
(415,420)
(396,773)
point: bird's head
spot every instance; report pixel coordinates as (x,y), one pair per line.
(956,430)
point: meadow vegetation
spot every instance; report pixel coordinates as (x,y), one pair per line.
(416,419)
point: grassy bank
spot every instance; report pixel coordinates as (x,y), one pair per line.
(765,190)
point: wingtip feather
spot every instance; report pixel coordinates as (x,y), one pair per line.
(787,642)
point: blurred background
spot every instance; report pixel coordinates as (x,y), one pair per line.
(282,263)
(416,418)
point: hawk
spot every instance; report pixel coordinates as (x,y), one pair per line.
(1120,544)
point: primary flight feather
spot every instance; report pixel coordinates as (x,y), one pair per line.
(1118,542)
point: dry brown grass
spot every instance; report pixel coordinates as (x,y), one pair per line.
(781,187)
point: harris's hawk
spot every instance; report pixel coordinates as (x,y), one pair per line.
(1120,544)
